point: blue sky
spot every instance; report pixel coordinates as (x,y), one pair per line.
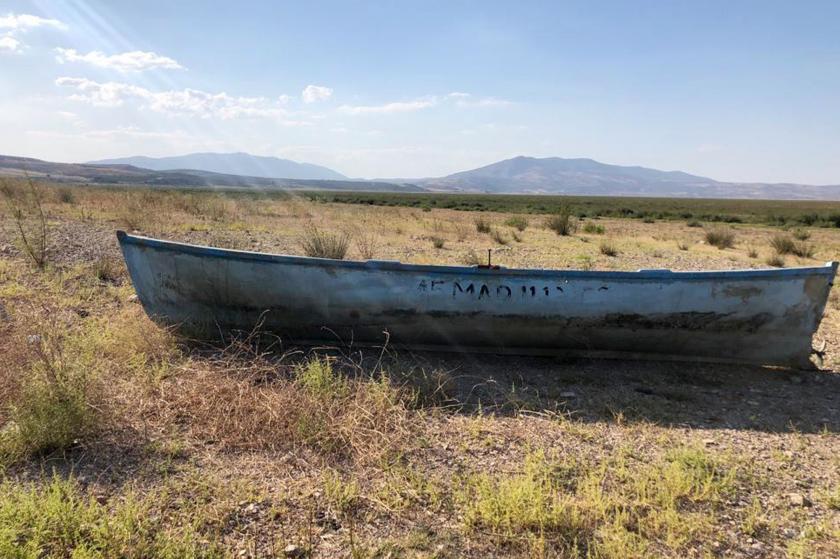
(734,90)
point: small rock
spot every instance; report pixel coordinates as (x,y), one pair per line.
(798,500)
(569,394)
(33,339)
(292,551)
(709,442)
(132,299)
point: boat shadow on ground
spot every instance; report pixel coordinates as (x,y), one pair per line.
(698,395)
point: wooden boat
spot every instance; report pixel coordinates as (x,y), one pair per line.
(756,316)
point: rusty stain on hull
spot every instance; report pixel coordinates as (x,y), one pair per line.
(757,316)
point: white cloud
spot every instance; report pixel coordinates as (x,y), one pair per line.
(191,102)
(133,61)
(389,108)
(468,100)
(24,22)
(9,44)
(486,102)
(460,99)
(108,94)
(16,24)
(314,93)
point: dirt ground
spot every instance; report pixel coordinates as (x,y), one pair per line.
(460,485)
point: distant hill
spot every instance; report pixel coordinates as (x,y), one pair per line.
(131,175)
(230,164)
(555,175)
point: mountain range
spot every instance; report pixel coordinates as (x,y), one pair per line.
(518,175)
(130,175)
(231,164)
(556,175)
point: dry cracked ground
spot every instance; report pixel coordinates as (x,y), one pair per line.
(118,439)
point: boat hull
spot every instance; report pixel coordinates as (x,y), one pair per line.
(756,316)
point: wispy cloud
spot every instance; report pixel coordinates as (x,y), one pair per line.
(13,25)
(107,94)
(389,108)
(192,102)
(456,98)
(468,100)
(24,22)
(9,44)
(314,93)
(133,61)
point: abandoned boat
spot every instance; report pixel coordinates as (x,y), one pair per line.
(755,316)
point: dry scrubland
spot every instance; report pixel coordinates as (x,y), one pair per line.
(118,439)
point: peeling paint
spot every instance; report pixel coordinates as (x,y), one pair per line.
(759,316)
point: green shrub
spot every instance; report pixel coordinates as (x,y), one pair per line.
(518,222)
(59,519)
(562,222)
(438,242)
(319,379)
(531,501)
(65,196)
(593,228)
(55,408)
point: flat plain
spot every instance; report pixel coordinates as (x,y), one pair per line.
(117,438)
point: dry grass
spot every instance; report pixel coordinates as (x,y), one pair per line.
(607,249)
(482,225)
(323,244)
(775,261)
(25,203)
(518,222)
(594,228)
(720,238)
(367,243)
(563,222)
(274,406)
(247,446)
(497,235)
(783,244)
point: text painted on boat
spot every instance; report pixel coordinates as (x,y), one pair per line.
(482,290)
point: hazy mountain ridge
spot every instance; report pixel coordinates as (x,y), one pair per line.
(186,178)
(556,175)
(239,163)
(519,175)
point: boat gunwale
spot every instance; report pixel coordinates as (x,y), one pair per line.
(828,269)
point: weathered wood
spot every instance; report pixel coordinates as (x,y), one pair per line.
(756,316)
